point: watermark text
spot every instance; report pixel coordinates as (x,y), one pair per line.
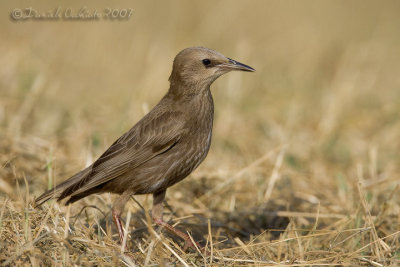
(61,13)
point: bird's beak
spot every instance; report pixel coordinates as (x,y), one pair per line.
(235,65)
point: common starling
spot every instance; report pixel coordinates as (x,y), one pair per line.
(164,147)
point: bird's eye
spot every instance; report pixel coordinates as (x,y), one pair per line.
(206,62)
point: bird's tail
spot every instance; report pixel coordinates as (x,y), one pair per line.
(57,191)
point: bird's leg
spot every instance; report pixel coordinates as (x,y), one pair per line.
(117,221)
(117,209)
(157,213)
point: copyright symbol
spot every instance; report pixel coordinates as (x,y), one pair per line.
(16,14)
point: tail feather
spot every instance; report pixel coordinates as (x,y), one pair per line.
(58,190)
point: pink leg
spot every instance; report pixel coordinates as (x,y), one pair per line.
(117,221)
(117,209)
(157,212)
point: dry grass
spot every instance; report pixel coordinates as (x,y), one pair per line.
(304,165)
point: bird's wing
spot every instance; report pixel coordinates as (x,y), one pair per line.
(150,137)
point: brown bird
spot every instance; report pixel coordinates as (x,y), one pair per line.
(164,147)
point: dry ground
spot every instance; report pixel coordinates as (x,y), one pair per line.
(305,160)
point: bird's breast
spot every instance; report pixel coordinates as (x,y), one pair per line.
(200,131)
(192,148)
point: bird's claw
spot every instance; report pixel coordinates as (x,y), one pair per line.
(189,244)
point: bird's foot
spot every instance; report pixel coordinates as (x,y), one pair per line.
(189,244)
(188,241)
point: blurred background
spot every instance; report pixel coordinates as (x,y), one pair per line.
(320,114)
(327,80)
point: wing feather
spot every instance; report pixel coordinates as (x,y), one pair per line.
(147,139)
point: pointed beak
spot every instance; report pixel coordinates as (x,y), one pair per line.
(235,65)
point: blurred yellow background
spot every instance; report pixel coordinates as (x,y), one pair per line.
(320,65)
(325,96)
(327,80)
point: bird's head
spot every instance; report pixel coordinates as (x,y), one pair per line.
(200,67)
